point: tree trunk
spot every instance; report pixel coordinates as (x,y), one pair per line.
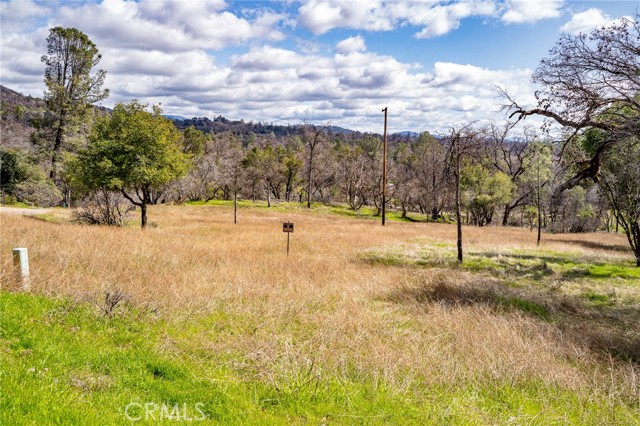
(539,217)
(458,215)
(143,215)
(434,197)
(309,178)
(268,196)
(53,173)
(505,217)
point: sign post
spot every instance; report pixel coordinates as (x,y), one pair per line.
(288,228)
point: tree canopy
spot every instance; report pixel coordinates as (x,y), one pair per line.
(621,186)
(132,151)
(70,86)
(591,81)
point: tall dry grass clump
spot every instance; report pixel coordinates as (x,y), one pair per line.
(321,312)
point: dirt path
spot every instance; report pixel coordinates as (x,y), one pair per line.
(23,211)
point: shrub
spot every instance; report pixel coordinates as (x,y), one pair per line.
(104,208)
(42,193)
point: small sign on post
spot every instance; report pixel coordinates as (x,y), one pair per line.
(288,228)
(21,265)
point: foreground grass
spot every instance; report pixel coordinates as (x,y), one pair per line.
(359,325)
(65,363)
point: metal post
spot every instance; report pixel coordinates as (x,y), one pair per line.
(384,168)
(21,264)
(288,228)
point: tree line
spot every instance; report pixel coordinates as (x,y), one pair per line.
(479,174)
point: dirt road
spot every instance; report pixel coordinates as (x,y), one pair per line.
(22,211)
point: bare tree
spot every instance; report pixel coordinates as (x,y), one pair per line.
(351,174)
(462,143)
(231,164)
(591,82)
(538,174)
(103,207)
(312,137)
(510,155)
(433,189)
(405,176)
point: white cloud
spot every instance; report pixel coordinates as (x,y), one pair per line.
(351,44)
(155,62)
(530,11)
(587,21)
(19,10)
(160,52)
(20,13)
(435,17)
(168,25)
(441,19)
(320,16)
(267,58)
(348,89)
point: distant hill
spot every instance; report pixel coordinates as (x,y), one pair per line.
(11,99)
(19,113)
(413,135)
(341,130)
(221,124)
(175,117)
(243,128)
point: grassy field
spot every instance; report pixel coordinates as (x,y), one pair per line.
(202,321)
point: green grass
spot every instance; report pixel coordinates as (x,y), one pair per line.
(65,363)
(530,264)
(598,298)
(614,271)
(524,305)
(50,218)
(344,210)
(19,205)
(534,282)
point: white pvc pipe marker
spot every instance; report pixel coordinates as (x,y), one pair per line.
(21,263)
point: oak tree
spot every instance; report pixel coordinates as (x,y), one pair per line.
(621,186)
(591,81)
(134,152)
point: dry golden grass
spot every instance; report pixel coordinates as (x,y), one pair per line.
(322,311)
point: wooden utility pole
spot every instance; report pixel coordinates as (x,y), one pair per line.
(384,167)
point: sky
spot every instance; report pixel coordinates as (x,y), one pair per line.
(434,64)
